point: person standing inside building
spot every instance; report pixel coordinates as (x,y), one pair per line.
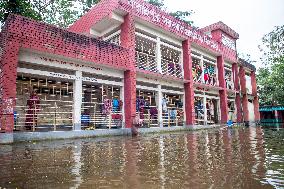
(32,109)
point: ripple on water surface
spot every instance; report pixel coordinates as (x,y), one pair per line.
(225,158)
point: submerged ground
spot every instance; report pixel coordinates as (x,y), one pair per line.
(221,158)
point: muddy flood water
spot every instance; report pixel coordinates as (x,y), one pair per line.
(222,158)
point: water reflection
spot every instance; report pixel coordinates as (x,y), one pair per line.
(225,158)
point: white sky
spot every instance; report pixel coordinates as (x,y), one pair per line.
(250,18)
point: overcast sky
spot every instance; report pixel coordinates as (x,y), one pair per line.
(250,18)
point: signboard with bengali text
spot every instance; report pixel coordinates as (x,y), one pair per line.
(159,17)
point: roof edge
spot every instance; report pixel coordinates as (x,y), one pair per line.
(246,64)
(220,25)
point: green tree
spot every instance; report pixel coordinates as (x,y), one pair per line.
(21,7)
(270,78)
(273,46)
(66,12)
(246,57)
(181,15)
(61,13)
(158,3)
(88,4)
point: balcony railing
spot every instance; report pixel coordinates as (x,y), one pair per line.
(150,50)
(146,61)
(171,68)
(229,80)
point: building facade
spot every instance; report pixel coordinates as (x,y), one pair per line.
(272,116)
(124,61)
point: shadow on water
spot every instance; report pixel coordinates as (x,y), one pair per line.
(226,158)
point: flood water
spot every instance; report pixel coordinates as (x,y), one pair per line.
(222,158)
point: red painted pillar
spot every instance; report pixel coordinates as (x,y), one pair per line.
(127,38)
(8,76)
(255,99)
(245,108)
(236,76)
(253,83)
(242,75)
(256,109)
(237,88)
(129,97)
(239,108)
(223,91)
(188,87)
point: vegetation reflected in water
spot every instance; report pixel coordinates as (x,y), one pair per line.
(225,158)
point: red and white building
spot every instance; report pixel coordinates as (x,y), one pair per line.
(123,59)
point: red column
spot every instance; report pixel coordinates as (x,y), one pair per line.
(188,87)
(236,78)
(127,38)
(256,109)
(253,83)
(255,99)
(237,88)
(244,94)
(223,91)
(8,77)
(129,97)
(239,108)
(242,77)
(245,108)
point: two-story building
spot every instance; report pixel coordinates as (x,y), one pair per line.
(124,60)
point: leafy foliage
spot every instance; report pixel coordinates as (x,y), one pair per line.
(181,15)
(270,78)
(158,3)
(24,8)
(61,13)
(67,12)
(273,46)
(246,57)
(88,4)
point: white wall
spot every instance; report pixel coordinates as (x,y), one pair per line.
(248,84)
(251,111)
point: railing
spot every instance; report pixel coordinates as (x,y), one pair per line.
(48,115)
(229,84)
(97,119)
(199,116)
(229,80)
(148,120)
(171,68)
(210,72)
(271,122)
(113,38)
(172,117)
(146,61)
(149,51)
